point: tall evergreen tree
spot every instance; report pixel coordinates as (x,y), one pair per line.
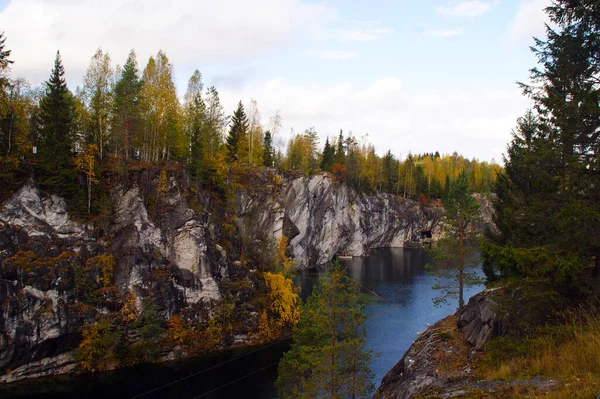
(56,141)
(328,156)
(126,123)
(268,151)
(327,358)
(552,185)
(340,152)
(237,132)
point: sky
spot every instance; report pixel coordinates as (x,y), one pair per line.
(404,75)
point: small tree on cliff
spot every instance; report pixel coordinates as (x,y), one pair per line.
(327,358)
(456,250)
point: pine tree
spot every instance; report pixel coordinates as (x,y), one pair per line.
(327,358)
(328,155)
(340,152)
(551,190)
(268,151)
(55,127)
(126,123)
(237,132)
(456,249)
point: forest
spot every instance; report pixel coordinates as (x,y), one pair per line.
(122,116)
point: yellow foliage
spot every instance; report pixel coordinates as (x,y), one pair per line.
(283,297)
(129,311)
(266,328)
(178,330)
(162,182)
(287,264)
(105,265)
(94,351)
(282,310)
(85,161)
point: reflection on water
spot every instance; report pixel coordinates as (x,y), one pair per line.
(398,275)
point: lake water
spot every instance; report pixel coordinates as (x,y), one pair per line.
(403,306)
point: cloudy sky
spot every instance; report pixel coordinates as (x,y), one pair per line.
(419,76)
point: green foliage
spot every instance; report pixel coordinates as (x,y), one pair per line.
(55,142)
(237,133)
(455,251)
(328,156)
(327,358)
(548,209)
(268,150)
(126,113)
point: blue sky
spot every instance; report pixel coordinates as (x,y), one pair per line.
(414,76)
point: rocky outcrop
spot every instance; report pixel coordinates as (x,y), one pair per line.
(440,359)
(167,253)
(479,322)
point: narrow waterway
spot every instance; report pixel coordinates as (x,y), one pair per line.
(403,306)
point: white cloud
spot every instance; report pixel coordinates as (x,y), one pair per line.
(464,9)
(189,31)
(443,32)
(475,123)
(529,20)
(337,55)
(358,35)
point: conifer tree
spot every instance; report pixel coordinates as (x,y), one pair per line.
(328,155)
(126,123)
(55,127)
(548,209)
(340,152)
(327,358)
(237,132)
(268,151)
(456,250)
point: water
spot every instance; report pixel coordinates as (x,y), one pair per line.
(397,275)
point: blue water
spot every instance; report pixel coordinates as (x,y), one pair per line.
(397,275)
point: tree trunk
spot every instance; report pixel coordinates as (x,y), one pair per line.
(596,272)
(89,182)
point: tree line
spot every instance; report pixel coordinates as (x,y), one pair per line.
(124,114)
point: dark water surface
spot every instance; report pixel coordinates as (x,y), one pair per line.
(397,275)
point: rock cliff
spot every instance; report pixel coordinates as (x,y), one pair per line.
(167,249)
(443,361)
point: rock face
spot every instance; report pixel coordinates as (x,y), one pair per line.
(430,362)
(323,218)
(479,321)
(51,284)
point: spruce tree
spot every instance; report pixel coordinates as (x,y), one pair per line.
(327,358)
(126,107)
(328,155)
(268,152)
(237,132)
(548,210)
(340,152)
(55,141)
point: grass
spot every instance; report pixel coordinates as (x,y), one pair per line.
(569,353)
